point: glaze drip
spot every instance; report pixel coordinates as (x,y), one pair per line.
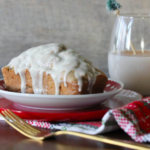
(54,59)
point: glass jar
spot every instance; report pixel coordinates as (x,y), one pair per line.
(129,55)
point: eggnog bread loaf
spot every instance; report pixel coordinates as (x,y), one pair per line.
(53,69)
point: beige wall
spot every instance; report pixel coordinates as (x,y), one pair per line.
(83,25)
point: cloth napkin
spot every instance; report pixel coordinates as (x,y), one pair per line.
(133,118)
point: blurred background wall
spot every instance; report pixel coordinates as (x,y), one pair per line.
(83,25)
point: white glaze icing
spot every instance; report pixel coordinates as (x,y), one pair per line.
(54,59)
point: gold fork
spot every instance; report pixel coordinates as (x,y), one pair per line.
(31,132)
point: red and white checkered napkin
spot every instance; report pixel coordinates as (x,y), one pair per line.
(133,118)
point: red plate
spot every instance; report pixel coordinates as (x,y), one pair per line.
(94,113)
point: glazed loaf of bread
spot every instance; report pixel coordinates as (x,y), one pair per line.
(53,69)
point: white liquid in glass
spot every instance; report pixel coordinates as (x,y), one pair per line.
(132,70)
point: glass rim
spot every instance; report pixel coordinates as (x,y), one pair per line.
(135,15)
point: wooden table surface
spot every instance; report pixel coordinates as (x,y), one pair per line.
(10,139)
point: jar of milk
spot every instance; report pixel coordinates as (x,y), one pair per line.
(129,55)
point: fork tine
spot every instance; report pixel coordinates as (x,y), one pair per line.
(21,120)
(18,123)
(20,129)
(12,124)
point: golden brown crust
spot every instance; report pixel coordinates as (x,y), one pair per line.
(13,83)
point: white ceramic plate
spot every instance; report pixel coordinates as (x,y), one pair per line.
(61,101)
(122,98)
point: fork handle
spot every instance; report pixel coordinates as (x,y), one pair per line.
(122,143)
